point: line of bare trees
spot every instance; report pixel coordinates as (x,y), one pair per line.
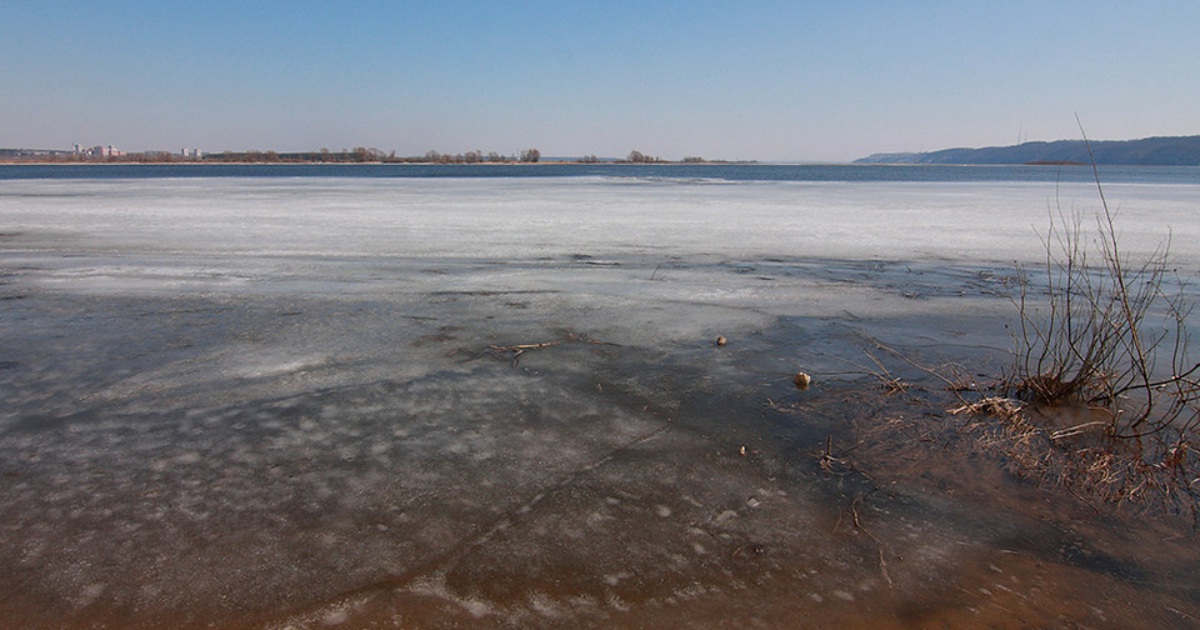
(364,154)
(357,154)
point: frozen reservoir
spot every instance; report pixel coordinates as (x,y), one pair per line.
(311,400)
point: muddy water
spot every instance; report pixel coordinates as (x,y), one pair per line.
(211,439)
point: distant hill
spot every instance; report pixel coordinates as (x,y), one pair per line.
(1167,151)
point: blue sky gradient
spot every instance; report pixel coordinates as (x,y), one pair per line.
(791,81)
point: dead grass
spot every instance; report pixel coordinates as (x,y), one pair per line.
(1064,448)
(1083,459)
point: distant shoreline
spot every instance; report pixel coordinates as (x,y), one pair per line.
(219,162)
(10,161)
(1155,151)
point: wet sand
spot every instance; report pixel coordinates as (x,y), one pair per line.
(197,438)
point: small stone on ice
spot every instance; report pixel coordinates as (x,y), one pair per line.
(801,380)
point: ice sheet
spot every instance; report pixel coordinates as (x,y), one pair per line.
(315,402)
(514,220)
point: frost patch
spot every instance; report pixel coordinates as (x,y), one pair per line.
(89,595)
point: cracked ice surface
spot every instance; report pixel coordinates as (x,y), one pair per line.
(297,402)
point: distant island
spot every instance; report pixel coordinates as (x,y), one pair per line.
(1162,151)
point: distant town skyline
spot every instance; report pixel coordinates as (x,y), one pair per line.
(773,81)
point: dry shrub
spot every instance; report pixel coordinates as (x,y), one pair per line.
(1102,330)
(1113,338)
(1110,335)
(1108,331)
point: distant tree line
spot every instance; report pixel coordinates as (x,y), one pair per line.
(363,154)
(324,155)
(637,157)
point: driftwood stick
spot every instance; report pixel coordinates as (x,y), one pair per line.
(524,346)
(883,567)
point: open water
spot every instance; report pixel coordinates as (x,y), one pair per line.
(695,172)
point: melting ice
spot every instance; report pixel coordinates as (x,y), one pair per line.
(309,402)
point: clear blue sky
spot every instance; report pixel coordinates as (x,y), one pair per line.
(805,81)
